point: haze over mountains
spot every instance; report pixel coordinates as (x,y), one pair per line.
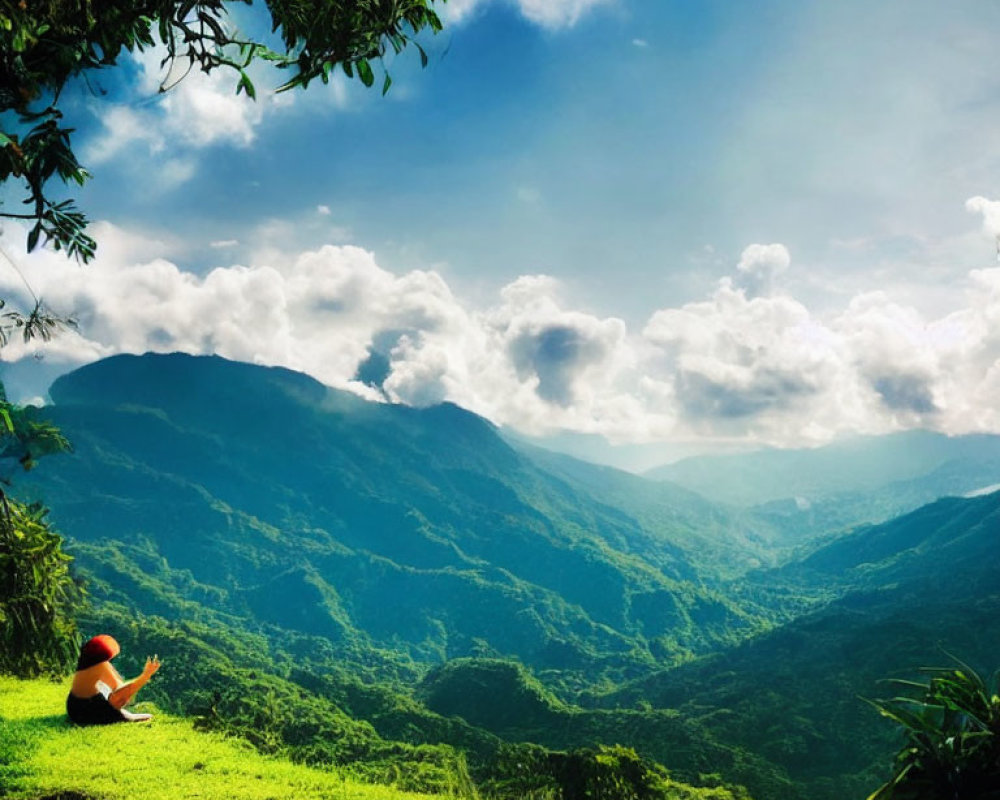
(862,464)
(729,638)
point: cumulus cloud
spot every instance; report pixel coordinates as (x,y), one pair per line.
(990,209)
(749,361)
(743,363)
(754,361)
(893,353)
(525,361)
(174,112)
(196,110)
(758,267)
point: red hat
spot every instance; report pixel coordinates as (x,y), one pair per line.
(100,648)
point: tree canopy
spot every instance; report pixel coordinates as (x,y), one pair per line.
(44,44)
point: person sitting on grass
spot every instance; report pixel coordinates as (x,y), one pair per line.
(99,694)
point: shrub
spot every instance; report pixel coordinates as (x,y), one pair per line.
(952,729)
(38,596)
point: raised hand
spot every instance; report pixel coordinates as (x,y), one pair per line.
(152,664)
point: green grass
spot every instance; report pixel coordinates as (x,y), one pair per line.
(43,756)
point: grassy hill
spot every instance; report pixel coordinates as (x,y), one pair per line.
(43,756)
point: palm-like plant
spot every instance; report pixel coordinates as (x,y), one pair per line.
(952,729)
(38,596)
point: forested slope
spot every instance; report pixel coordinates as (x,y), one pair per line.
(402,593)
(376,526)
(905,594)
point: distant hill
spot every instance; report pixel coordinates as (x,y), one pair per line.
(902,595)
(418,532)
(717,539)
(929,465)
(296,548)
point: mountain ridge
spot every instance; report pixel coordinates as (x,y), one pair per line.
(262,468)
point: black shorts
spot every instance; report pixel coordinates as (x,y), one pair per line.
(94,710)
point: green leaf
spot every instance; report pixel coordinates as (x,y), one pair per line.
(365,73)
(386,84)
(246,85)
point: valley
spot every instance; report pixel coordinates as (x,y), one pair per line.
(408,595)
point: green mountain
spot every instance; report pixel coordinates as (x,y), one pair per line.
(420,532)
(716,539)
(404,594)
(888,599)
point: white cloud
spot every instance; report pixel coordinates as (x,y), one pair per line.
(196,110)
(556,13)
(748,362)
(990,209)
(454,11)
(759,265)
(323,210)
(746,365)
(546,13)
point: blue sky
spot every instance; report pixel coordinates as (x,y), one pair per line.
(673,225)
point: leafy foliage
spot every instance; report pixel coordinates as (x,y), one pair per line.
(38,596)
(952,730)
(618,773)
(911,588)
(38,323)
(45,44)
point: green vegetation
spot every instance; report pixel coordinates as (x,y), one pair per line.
(952,737)
(503,698)
(367,525)
(912,588)
(41,755)
(44,45)
(399,595)
(38,597)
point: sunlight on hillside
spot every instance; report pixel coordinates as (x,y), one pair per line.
(42,755)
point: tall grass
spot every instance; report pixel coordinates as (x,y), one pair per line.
(42,755)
